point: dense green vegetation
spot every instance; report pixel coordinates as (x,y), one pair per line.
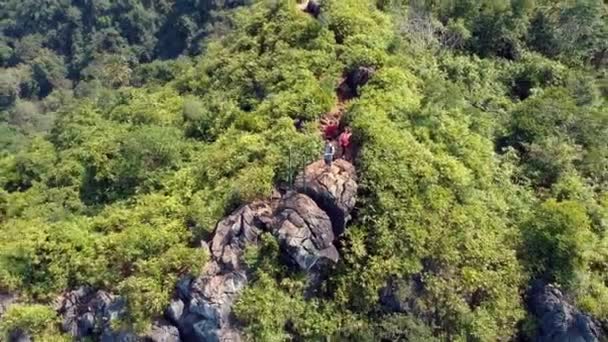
(484,159)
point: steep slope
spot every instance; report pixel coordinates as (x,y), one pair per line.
(194,206)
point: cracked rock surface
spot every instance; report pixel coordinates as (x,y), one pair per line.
(305,231)
(559,320)
(86,312)
(203,311)
(334,190)
(306,222)
(237,231)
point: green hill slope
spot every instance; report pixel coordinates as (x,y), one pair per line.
(482,158)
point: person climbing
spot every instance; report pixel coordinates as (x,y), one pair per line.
(331,129)
(344,141)
(328,156)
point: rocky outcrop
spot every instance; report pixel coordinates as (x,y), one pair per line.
(203,307)
(559,320)
(304,232)
(162,331)
(237,231)
(358,78)
(86,313)
(334,190)
(306,223)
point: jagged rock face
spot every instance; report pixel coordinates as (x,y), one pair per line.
(86,312)
(305,232)
(237,231)
(162,331)
(209,310)
(334,190)
(204,310)
(559,320)
(306,226)
(358,78)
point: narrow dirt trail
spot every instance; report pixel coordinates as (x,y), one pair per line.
(335,117)
(331,124)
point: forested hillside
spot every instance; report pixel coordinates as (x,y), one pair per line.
(129,129)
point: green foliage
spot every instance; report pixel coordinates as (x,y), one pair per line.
(557,240)
(34,320)
(481,153)
(276,301)
(403,328)
(424,171)
(145,299)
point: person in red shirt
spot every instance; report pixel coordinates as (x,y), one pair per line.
(331,130)
(344,141)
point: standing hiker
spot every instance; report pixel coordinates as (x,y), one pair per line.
(344,141)
(328,156)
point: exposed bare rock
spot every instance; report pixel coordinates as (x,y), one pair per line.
(208,313)
(162,331)
(237,231)
(86,313)
(175,310)
(305,231)
(305,224)
(559,320)
(203,311)
(6,300)
(78,317)
(19,336)
(358,78)
(334,190)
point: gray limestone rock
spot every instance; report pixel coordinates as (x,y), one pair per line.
(559,320)
(333,189)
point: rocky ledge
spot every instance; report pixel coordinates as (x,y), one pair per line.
(306,223)
(558,320)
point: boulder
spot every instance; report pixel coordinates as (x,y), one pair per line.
(208,315)
(162,331)
(305,232)
(85,313)
(175,310)
(238,230)
(334,190)
(358,78)
(19,336)
(77,318)
(559,320)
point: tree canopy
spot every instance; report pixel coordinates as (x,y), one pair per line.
(129,128)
